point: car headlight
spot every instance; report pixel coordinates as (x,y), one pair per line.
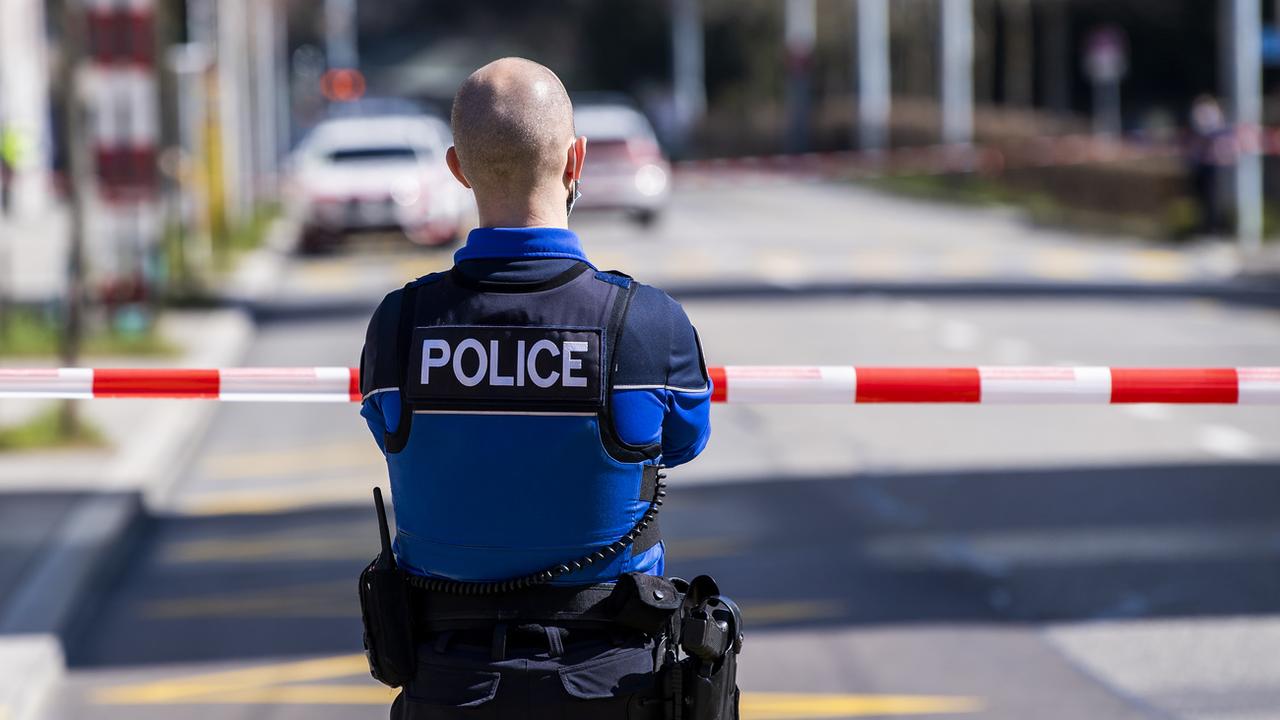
(651,180)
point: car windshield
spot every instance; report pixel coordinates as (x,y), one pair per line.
(400,153)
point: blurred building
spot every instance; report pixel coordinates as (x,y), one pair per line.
(25,133)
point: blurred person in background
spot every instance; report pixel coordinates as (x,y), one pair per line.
(525,402)
(1208,151)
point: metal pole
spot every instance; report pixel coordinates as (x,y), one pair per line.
(1057,56)
(1247,31)
(74,137)
(957,71)
(874,90)
(284,92)
(689,82)
(264,78)
(341,50)
(1019,60)
(801,33)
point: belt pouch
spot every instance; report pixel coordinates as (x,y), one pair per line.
(388,637)
(384,609)
(646,603)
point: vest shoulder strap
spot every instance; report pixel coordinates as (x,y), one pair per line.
(395,442)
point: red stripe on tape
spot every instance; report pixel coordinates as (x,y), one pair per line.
(719,384)
(917,385)
(156,383)
(353,386)
(1146,385)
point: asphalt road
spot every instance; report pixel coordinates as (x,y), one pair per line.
(992,562)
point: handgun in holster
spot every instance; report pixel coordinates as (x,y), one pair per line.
(384,609)
(711,638)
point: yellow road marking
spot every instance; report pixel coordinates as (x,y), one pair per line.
(284,499)
(189,688)
(314,600)
(279,685)
(878,264)
(425,265)
(1061,264)
(782,266)
(795,706)
(265,548)
(1160,266)
(766,613)
(691,263)
(966,264)
(326,276)
(612,258)
(292,461)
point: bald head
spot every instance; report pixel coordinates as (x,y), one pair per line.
(512,127)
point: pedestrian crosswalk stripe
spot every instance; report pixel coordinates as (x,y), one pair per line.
(299,683)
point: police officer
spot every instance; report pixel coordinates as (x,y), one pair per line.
(525,401)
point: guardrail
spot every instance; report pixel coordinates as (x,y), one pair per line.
(745,384)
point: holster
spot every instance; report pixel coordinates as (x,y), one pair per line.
(711,637)
(710,698)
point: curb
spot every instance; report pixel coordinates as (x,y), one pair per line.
(97,535)
(31,666)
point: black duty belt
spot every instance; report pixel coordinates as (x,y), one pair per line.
(641,602)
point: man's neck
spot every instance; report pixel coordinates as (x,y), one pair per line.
(503,213)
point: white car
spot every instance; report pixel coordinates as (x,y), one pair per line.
(378,173)
(625,168)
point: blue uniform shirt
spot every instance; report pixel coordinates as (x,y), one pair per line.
(661,391)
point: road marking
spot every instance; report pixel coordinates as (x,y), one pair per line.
(1160,266)
(794,611)
(795,706)
(325,276)
(436,261)
(878,264)
(216,687)
(267,548)
(1228,442)
(1061,264)
(692,262)
(782,266)
(320,600)
(281,684)
(967,264)
(290,461)
(271,501)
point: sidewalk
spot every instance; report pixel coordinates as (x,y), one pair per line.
(69,517)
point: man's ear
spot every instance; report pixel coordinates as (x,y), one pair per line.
(451,159)
(576,157)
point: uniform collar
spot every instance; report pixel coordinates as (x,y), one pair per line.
(527,242)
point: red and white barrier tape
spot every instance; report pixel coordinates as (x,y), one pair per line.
(733,384)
